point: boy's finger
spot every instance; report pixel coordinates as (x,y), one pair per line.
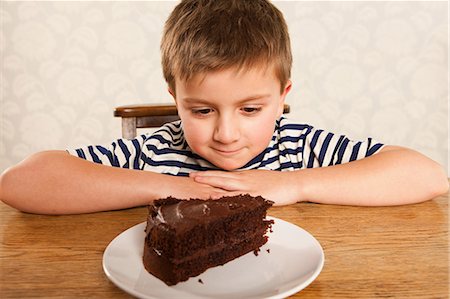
(228,184)
(213,173)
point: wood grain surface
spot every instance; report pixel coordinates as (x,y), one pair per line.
(370,252)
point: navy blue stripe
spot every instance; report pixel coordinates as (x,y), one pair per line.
(295,138)
(159,138)
(291,139)
(164,151)
(297,165)
(324,148)
(162,140)
(313,145)
(355,151)
(178,142)
(114,156)
(176,134)
(369,143)
(185,145)
(284,166)
(173,163)
(256,159)
(342,151)
(299,127)
(112,159)
(169,130)
(268,161)
(172,137)
(291,151)
(374,149)
(137,149)
(80,153)
(304,135)
(176,124)
(338,144)
(94,156)
(285,152)
(183,173)
(125,152)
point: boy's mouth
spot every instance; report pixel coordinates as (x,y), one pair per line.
(227,152)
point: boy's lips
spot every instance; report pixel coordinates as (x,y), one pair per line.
(227,152)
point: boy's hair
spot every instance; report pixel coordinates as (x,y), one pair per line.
(208,35)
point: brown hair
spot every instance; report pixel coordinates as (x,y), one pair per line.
(208,35)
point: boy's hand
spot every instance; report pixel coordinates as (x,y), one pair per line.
(272,185)
(186,188)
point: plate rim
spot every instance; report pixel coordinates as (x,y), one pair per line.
(284,294)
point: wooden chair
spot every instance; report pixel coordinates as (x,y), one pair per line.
(150,116)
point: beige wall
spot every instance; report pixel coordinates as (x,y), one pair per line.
(361,68)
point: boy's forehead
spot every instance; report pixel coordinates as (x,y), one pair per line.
(230,84)
(257,71)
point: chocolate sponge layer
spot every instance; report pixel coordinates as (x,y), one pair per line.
(186,237)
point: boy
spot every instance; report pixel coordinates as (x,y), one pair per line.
(227,64)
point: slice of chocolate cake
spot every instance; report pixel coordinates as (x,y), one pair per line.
(186,237)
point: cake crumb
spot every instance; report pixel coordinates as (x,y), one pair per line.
(200,281)
(272,222)
(268,250)
(256,251)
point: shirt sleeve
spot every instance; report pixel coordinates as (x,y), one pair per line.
(119,153)
(322,148)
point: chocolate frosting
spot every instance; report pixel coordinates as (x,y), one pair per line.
(181,215)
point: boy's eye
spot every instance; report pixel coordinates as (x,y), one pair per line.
(202,111)
(251,110)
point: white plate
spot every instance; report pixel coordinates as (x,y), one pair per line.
(294,260)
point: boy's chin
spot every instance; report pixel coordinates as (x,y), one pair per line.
(228,165)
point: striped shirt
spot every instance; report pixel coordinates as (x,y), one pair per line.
(293,146)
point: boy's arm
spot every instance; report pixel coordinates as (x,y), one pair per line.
(54,182)
(394,176)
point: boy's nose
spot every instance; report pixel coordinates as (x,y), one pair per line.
(227,130)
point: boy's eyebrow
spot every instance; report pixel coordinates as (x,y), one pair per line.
(247,99)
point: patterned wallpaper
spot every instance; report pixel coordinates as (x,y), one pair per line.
(361,68)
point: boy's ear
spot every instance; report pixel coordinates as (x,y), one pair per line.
(286,90)
(171,92)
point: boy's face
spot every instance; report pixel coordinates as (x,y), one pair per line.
(228,116)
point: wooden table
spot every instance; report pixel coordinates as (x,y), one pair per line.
(393,252)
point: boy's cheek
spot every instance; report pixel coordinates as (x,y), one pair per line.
(195,133)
